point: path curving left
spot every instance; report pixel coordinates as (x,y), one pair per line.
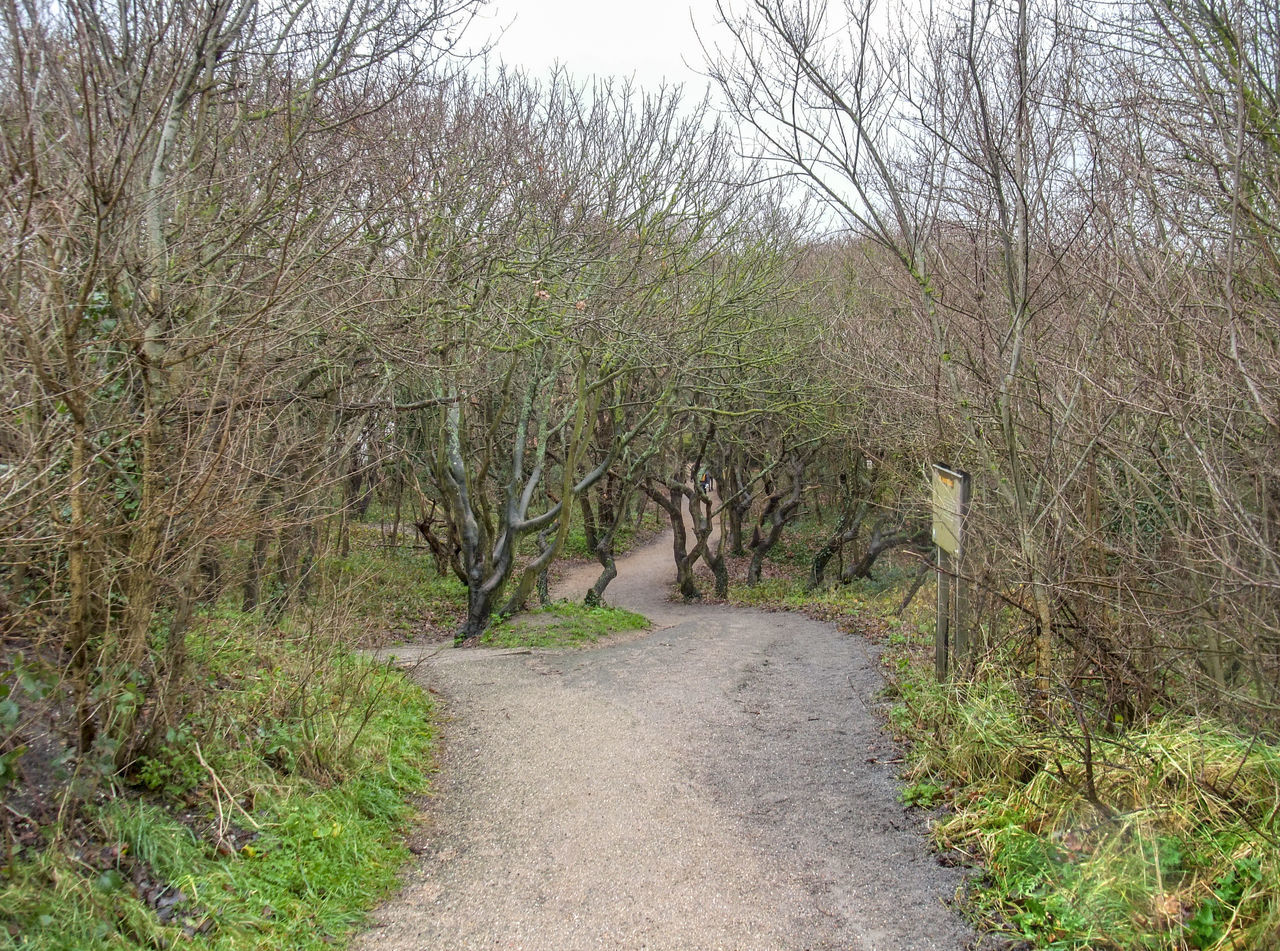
(720,782)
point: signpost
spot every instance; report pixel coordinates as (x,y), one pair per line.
(951,488)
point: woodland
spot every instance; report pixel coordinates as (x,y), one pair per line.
(272,268)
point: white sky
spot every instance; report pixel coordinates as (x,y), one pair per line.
(648,39)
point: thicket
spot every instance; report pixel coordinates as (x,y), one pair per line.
(1058,274)
(266,269)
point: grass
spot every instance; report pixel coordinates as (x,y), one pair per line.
(1169,840)
(272,814)
(401,596)
(1176,848)
(562,624)
(629,534)
(311,858)
(276,859)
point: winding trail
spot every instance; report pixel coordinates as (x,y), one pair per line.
(719,782)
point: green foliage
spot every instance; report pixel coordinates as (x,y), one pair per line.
(1212,921)
(575,543)
(10,714)
(1178,850)
(562,624)
(52,902)
(866,598)
(797,544)
(925,795)
(174,769)
(269,817)
(401,596)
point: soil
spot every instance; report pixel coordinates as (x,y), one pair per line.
(720,781)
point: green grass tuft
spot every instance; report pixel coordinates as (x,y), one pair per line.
(562,624)
(1165,837)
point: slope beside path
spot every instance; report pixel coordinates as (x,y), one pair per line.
(720,782)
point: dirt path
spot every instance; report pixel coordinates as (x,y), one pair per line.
(718,783)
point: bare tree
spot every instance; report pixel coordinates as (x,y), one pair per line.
(171,221)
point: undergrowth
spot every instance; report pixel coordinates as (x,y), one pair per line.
(401,598)
(270,813)
(1161,835)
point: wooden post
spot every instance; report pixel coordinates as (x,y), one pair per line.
(951,489)
(941,645)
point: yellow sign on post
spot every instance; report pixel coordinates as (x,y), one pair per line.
(950,505)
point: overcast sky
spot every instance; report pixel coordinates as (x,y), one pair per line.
(648,39)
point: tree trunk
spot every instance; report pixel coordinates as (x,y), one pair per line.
(703,522)
(880,543)
(720,571)
(737,497)
(847,530)
(257,565)
(595,595)
(922,575)
(673,505)
(210,586)
(609,519)
(778,514)
(480,603)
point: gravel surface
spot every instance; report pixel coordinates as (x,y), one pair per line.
(719,782)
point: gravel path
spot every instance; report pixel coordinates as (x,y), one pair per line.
(719,782)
